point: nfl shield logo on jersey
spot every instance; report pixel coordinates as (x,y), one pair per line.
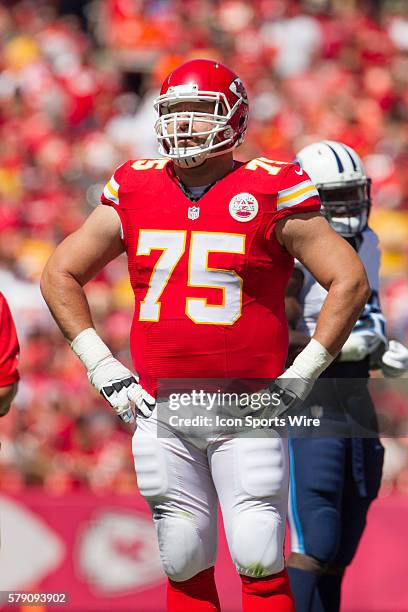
(193,212)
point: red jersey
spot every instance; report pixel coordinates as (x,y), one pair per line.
(209,277)
(9,348)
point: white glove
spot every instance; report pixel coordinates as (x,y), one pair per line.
(395,360)
(358,346)
(288,389)
(295,384)
(291,388)
(118,385)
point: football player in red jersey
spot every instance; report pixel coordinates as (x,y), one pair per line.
(210,244)
(9,352)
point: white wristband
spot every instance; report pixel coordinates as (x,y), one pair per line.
(312,361)
(90,348)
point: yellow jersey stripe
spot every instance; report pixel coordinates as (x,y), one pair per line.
(111,189)
(310,189)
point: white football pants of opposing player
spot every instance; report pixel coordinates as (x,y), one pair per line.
(182,483)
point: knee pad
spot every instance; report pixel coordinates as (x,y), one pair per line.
(182,551)
(257,544)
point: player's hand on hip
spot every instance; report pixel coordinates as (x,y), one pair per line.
(291,389)
(119,386)
(116,383)
(143,401)
(294,385)
(284,393)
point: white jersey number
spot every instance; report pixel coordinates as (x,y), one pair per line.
(173,244)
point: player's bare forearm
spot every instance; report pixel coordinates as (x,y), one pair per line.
(77,260)
(339,313)
(66,300)
(336,266)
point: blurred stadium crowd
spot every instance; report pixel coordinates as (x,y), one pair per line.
(76,96)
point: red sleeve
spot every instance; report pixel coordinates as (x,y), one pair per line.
(297,194)
(110,194)
(9,347)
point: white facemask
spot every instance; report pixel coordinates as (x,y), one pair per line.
(349,226)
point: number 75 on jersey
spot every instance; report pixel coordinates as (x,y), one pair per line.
(172,244)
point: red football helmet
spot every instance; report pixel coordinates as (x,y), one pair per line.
(224,127)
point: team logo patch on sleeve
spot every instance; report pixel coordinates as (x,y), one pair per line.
(243,207)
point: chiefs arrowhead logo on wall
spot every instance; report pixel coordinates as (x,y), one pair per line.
(117,552)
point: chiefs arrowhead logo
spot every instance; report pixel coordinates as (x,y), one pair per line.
(237,87)
(117,552)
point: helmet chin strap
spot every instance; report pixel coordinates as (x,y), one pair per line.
(196,159)
(191,162)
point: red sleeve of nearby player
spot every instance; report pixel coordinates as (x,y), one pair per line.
(110,194)
(9,348)
(297,194)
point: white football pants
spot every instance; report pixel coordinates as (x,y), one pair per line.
(182,482)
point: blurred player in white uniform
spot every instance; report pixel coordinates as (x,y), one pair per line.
(334,480)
